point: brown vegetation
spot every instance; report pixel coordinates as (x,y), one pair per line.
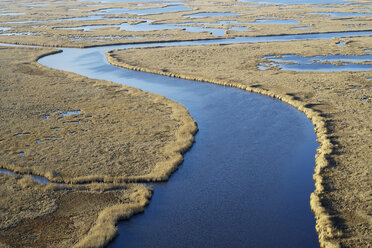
(120,133)
(123,134)
(38,215)
(117,133)
(333,101)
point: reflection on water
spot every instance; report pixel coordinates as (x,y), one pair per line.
(329,63)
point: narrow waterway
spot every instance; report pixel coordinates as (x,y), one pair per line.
(247,180)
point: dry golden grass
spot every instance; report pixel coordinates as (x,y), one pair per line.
(333,101)
(38,215)
(117,121)
(121,133)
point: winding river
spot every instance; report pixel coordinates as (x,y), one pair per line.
(247,180)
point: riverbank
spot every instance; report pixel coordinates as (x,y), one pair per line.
(71,129)
(337,103)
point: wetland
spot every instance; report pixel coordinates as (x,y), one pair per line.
(83,136)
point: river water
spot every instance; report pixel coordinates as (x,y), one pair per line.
(247,180)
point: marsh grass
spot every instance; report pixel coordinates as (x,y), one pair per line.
(40,215)
(123,135)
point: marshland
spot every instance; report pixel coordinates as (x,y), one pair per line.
(97,131)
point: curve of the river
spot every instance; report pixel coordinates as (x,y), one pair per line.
(247,180)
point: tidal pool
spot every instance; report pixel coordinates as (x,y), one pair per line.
(341,14)
(327,63)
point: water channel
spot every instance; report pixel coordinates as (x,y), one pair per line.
(247,177)
(246,181)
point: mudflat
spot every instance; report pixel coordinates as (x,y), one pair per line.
(338,103)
